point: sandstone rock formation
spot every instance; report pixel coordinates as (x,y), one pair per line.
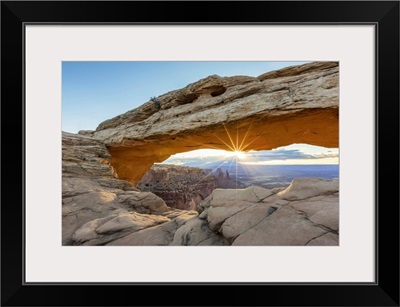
(101,206)
(98,208)
(293,105)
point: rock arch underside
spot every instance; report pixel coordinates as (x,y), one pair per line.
(298,104)
(101,204)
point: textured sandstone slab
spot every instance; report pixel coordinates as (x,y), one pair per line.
(221,197)
(134,221)
(283,227)
(228,202)
(274,220)
(143,202)
(114,223)
(302,188)
(327,239)
(196,232)
(159,235)
(246,219)
(83,208)
(323,210)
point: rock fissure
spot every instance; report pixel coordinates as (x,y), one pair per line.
(324,227)
(305,216)
(67,197)
(256,196)
(256,224)
(205,239)
(314,198)
(219,224)
(316,237)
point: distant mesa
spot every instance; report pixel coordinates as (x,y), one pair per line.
(224,181)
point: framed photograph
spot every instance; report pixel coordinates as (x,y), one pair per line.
(204,147)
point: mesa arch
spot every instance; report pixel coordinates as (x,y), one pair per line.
(298,104)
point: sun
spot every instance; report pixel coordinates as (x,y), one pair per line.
(240,155)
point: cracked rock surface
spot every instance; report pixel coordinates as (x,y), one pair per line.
(257,216)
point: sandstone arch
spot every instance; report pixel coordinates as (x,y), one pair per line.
(298,104)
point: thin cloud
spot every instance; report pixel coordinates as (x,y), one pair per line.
(289,155)
(257,157)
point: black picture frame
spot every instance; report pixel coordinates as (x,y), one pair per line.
(383,14)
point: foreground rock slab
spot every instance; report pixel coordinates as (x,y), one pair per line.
(257,216)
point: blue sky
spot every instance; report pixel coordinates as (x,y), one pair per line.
(93,92)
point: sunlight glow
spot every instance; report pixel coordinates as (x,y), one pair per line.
(237,150)
(236,154)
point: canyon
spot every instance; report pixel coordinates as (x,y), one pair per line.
(184,187)
(101,169)
(180,187)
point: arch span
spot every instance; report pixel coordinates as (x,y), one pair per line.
(299,104)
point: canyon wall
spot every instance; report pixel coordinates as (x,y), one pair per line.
(179,186)
(184,187)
